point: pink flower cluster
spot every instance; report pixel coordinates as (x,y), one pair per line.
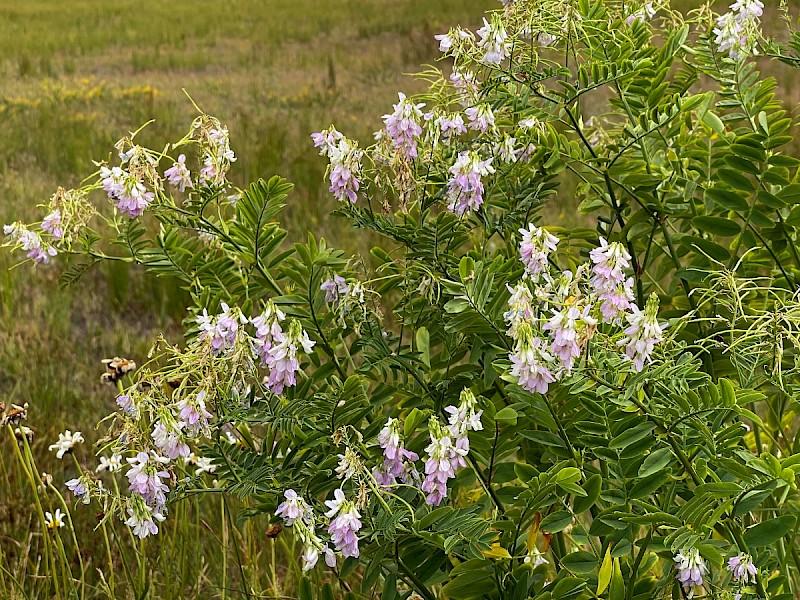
(398,463)
(127,190)
(345,525)
(282,357)
(612,285)
(403,126)
(444,457)
(29,242)
(535,248)
(221,329)
(345,166)
(465,187)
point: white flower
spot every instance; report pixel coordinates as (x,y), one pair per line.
(111,464)
(54,520)
(66,442)
(204,465)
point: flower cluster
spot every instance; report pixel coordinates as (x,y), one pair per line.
(403,125)
(738,31)
(398,463)
(282,358)
(535,249)
(691,569)
(613,287)
(220,330)
(493,41)
(567,309)
(296,513)
(644,13)
(30,242)
(345,163)
(178,174)
(465,187)
(444,457)
(216,153)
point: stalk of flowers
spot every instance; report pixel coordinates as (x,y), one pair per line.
(127,184)
(466,85)
(215,151)
(481,117)
(142,516)
(444,458)
(68,212)
(450,126)
(398,462)
(178,174)
(532,366)
(168,437)
(344,170)
(507,149)
(283,357)
(345,524)
(268,326)
(742,568)
(454,41)
(220,330)
(691,569)
(738,31)
(463,419)
(30,242)
(535,248)
(613,287)
(83,488)
(520,308)
(145,477)
(643,333)
(570,327)
(465,187)
(192,413)
(403,126)
(493,41)
(297,513)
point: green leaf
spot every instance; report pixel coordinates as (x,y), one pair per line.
(424,345)
(628,437)
(592,488)
(305,592)
(580,562)
(471,584)
(655,462)
(617,589)
(727,199)
(412,421)
(557,521)
(716,225)
(507,416)
(770,531)
(604,577)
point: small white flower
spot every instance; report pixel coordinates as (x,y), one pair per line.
(110,464)
(54,520)
(66,442)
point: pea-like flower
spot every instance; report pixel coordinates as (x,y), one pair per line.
(403,126)
(643,333)
(742,568)
(178,174)
(465,187)
(691,568)
(535,248)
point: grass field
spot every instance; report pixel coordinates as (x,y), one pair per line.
(75,76)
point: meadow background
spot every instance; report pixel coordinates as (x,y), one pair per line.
(77,75)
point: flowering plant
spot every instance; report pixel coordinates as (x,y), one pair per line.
(494,408)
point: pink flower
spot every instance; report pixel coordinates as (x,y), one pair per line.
(465,187)
(178,175)
(282,357)
(403,125)
(535,249)
(643,333)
